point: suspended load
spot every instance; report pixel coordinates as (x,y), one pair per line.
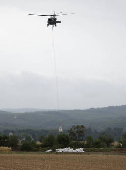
(60,129)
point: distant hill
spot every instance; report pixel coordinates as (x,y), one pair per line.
(96,118)
(23,110)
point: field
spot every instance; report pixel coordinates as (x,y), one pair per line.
(62,162)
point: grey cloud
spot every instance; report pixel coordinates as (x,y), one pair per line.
(32,90)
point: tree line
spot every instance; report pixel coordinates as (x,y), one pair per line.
(116,133)
(75,137)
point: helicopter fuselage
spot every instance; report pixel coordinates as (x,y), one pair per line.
(52,21)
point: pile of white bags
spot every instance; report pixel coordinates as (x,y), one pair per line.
(50,150)
(70,150)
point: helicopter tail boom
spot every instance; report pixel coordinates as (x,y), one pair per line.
(58,21)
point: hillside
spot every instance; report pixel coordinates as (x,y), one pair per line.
(96,118)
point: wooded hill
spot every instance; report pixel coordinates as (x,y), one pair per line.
(96,118)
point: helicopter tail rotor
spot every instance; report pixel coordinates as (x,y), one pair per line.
(31,14)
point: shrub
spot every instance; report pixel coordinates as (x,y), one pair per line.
(75,144)
(89,142)
(107,140)
(41,138)
(13,142)
(29,146)
(124,140)
(97,143)
(4,141)
(63,140)
(49,141)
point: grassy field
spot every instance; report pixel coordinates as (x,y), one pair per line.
(62,162)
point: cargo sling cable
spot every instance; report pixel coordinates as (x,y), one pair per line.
(55,64)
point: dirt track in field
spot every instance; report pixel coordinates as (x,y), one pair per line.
(62,162)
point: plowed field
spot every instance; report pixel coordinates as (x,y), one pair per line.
(62,162)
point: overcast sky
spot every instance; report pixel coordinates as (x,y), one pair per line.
(90,48)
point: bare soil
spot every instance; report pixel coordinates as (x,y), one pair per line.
(62,162)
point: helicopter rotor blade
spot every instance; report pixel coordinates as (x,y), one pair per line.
(31,14)
(53,15)
(43,15)
(61,13)
(47,15)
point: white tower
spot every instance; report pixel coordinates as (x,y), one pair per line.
(60,129)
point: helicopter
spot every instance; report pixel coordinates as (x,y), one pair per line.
(52,20)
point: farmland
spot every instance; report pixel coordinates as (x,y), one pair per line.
(62,162)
